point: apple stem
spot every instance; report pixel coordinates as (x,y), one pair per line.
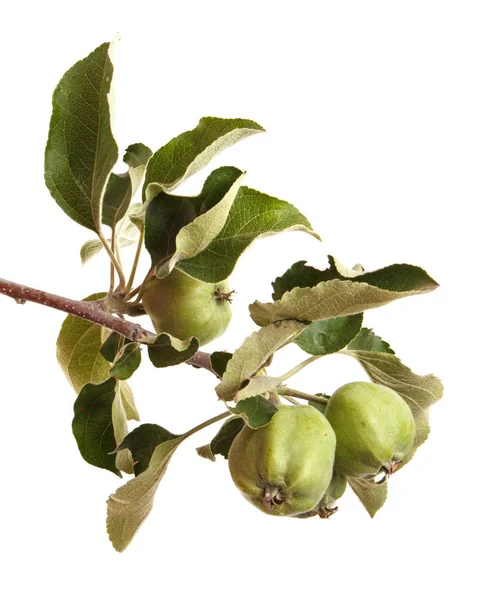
(285,391)
(299,367)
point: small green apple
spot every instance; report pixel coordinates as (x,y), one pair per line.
(374,428)
(285,467)
(186,307)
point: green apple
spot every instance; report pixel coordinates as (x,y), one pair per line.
(285,467)
(186,307)
(325,508)
(374,428)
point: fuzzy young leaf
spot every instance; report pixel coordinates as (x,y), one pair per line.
(92,425)
(128,402)
(121,188)
(123,459)
(191,151)
(142,441)
(329,336)
(221,443)
(167,351)
(81,150)
(219,362)
(371,494)
(128,361)
(252,354)
(179,227)
(128,234)
(253,214)
(256,411)
(334,298)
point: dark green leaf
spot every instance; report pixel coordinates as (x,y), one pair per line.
(142,442)
(395,278)
(256,411)
(116,199)
(112,345)
(371,494)
(177,227)
(167,351)
(191,151)
(81,150)
(369,341)
(92,425)
(329,336)
(221,443)
(219,361)
(252,215)
(127,362)
(137,155)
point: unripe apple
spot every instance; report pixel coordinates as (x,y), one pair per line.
(374,428)
(185,307)
(285,467)
(326,507)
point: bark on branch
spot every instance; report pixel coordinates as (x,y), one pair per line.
(90,311)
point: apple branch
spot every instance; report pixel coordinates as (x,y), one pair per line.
(92,311)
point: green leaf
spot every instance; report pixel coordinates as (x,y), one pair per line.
(128,234)
(219,362)
(222,442)
(179,227)
(121,188)
(142,441)
(130,505)
(78,353)
(256,411)
(369,341)
(128,361)
(327,337)
(394,278)
(137,155)
(252,355)
(123,460)
(167,350)
(252,215)
(371,494)
(92,425)
(191,151)
(334,298)
(112,345)
(81,150)
(419,392)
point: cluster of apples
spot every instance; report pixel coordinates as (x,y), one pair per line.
(298,464)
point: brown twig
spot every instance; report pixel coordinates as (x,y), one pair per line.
(93,311)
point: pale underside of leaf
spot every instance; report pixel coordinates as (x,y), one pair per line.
(334,298)
(252,354)
(120,428)
(130,505)
(372,495)
(197,235)
(260,384)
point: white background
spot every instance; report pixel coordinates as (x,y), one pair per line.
(375,129)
